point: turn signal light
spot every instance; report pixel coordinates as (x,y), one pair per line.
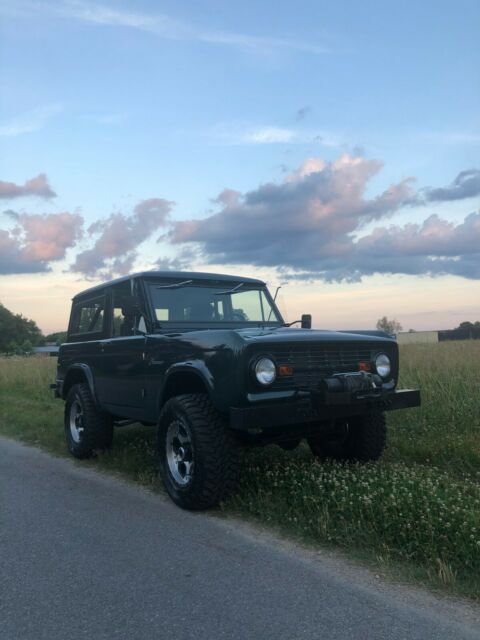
(285,370)
(364,366)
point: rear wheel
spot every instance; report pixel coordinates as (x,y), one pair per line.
(199,460)
(86,428)
(359,438)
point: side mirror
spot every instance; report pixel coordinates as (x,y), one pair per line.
(306,321)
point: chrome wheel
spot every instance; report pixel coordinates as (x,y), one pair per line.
(179,452)
(76,421)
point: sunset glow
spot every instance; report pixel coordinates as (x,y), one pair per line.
(195,139)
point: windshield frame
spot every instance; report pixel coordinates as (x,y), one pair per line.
(219,285)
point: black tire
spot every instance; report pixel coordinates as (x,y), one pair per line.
(199,459)
(360,438)
(289,445)
(86,428)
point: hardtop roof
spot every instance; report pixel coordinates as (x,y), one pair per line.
(170,275)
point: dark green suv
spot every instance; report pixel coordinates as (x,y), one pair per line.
(209,359)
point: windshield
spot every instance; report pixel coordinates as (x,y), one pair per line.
(195,303)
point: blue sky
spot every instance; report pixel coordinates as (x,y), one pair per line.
(121,102)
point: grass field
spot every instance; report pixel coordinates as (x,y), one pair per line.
(416,513)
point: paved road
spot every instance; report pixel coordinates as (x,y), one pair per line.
(83,555)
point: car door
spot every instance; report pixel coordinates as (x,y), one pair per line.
(122,356)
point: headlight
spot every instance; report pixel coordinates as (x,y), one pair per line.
(265,371)
(382,365)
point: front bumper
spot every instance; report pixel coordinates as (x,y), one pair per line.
(314,406)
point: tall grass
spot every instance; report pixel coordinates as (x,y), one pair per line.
(28,410)
(420,506)
(445,430)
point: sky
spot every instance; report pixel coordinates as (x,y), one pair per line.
(330,148)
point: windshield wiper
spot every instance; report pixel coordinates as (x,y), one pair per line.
(226,293)
(175,285)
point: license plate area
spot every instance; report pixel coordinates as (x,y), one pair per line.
(346,388)
(358,381)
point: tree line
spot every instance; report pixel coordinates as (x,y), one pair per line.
(392,327)
(19,335)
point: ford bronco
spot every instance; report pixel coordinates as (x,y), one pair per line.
(210,361)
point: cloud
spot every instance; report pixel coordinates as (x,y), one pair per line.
(313,226)
(302,113)
(30,121)
(170,29)
(118,236)
(108,119)
(465,185)
(322,221)
(434,247)
(450,137)
(179,263)
(10,213)
(122,266)
(37,186)
(37,240)
(227,197)
(241,133)
(268,135)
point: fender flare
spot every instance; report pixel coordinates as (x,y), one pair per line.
(192,367)
(87,372)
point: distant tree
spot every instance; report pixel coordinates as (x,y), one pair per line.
(469,325)
(17,334)
(25,349)
(58,337)
(389,326)
(412,331)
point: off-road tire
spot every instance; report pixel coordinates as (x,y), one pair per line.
(289,445)
(215,453)
(97,426)
(364,442)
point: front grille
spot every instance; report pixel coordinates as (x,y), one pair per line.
(315,363)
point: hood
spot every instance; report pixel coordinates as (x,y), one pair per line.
(273,335)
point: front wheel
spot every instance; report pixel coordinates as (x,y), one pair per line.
(199,460)
(359,438)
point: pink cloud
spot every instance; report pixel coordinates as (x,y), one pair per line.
(118,236)
(307,226)
(37,186)
(37,240)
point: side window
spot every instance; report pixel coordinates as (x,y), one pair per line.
(89,316)
(118,321)
(123,316)
(125,321)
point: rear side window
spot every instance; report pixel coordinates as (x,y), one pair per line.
(88,317)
